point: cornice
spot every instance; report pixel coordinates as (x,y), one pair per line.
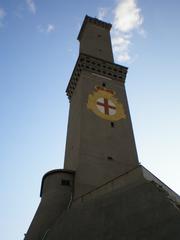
(94,65)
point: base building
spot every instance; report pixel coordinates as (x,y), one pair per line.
(103,193)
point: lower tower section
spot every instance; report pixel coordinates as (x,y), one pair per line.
(56,194)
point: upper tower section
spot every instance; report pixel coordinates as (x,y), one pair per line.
(95,40)
(95,54)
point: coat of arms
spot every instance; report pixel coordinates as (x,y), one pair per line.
(104,104)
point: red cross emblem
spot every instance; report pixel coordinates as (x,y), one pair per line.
(106,106)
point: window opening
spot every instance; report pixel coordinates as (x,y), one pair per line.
(112,124)
(65,182)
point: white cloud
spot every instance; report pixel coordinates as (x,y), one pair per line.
(50,28)
(121,42)
(31,5)
(46,29)
(124,57)
(127,19)
(102,12)
(127,16)
(2,16)
(142,32)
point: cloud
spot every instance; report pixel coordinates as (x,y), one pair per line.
(31,5)
(46,29)
(2,16)
(127,19)
(124,57)
(50,28)
(102,12)
(142,32)
(127,16)
(121,42)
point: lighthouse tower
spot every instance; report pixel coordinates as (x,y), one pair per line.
(100,143)
(103,192)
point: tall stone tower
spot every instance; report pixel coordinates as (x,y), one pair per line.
(103,192)
(100,143)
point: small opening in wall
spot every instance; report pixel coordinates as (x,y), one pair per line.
(99,35)
(110,158)
(112,124)
(65,182)
(103,84)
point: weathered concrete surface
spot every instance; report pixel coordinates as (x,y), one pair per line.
(91,139)
(128,180)
(143,213)
(95,40)
(55,199)
(95,150)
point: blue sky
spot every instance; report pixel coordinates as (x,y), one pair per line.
(38,50)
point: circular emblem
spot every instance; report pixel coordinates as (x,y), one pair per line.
(104,104)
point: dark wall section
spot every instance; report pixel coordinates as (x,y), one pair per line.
(143,213)
(56,193)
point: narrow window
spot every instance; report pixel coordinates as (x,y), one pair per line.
(110,158)
(104,84)
(112,124)
(65,182)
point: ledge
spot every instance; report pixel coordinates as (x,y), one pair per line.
(98,66)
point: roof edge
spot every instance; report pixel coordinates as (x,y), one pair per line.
(93,21)
(53,172)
